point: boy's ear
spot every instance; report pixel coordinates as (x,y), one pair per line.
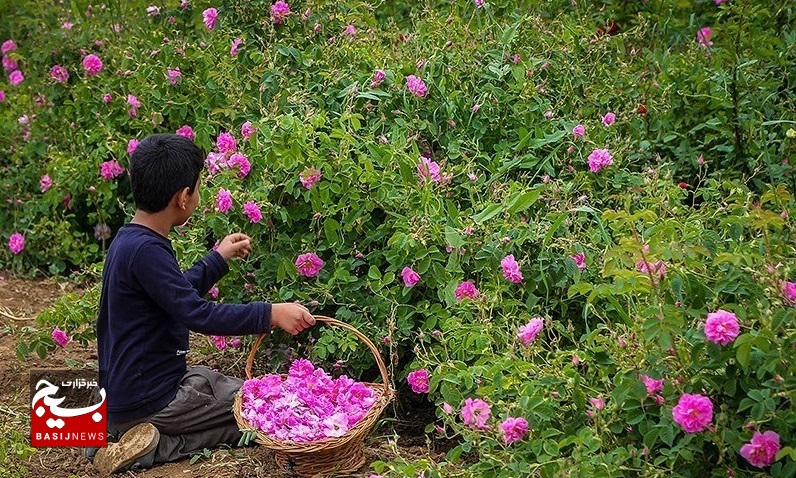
(181,198)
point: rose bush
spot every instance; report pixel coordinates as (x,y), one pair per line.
(561,220)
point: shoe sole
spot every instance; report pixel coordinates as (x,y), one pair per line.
(136,443)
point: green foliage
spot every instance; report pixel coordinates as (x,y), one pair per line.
(514,181)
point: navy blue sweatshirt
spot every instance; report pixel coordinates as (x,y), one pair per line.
(147,307)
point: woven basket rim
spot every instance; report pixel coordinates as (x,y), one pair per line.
(358,432)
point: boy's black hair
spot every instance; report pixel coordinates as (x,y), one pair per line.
(161,165)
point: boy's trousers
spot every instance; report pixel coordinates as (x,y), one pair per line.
(199,417)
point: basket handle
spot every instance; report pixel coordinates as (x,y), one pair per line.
(328,321)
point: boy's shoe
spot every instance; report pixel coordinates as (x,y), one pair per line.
(137,445)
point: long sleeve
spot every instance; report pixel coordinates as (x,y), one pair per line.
(157,272)
(209,270)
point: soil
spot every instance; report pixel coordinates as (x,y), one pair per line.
(23,299)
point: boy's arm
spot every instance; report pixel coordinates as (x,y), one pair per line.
(159,275)
(209,270)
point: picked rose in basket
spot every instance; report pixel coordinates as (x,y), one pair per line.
(308,405)
(316,424)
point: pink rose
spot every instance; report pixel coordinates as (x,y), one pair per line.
(131,146)
(418,380)
(410,277)
(60,337)
(16,243)
(514,429)
(15,78)
(309,264)
(186,131)
(598,159)
(223,200)
(721,327)
(475,413)
(8,46)
(580,260)
(252,211)
(511,270)
(693,412)
(528,332)
(466,289)
(45,183)
(210,16)
(579,130)
(762,450)
(416,86)
(59,74)
(309,177)
(247,130)
(279,11)
(609,119)
(92,64)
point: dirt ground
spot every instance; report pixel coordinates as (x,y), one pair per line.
(24,299)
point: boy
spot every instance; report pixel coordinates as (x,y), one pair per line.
(164,410)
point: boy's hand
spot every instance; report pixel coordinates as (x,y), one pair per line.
(235,245)
(291,317)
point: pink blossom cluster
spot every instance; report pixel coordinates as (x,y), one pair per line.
(307,405)
(111,169)
(227,157)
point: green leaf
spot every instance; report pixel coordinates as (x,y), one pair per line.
(331,228)
(453,238)
(524,201)
(491,211)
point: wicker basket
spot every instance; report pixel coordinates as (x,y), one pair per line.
(330,455)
